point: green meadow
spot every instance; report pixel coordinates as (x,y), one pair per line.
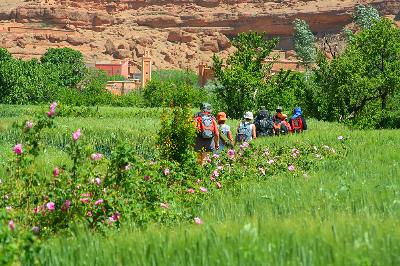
(345,212)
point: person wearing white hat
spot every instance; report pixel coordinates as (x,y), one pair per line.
(246,130)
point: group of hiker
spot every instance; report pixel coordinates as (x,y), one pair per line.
(214,134)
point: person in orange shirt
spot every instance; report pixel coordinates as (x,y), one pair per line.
(207,138)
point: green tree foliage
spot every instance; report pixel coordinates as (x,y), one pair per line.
(304,42)
(4,55)
(365,16)
(360,85)
(69,62)
(23,82)
(244,74)
(169,93)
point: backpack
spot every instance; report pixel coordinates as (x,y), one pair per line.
(206,126)
(264,126)
(297,125)
(244,132)
(280,128)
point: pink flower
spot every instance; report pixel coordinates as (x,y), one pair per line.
(115,217)
(231,153)
(340,138)
(18,149)
(198,181)
(190,190)
(76,135)
(66,205)
(215,173)
(56,171)
(51,206)
(29,124)
(166,171)
(291,168)
(84,200)
(164,205)
(271,161)
(244,145)
(197,220)
(147,177)
(8,208)
(97,181)
(36,210)
(203,189)
(96,156)
(89,214)
(218,184)
(11,225)
(262,170)
(215,156)
(220,167)
(98,202)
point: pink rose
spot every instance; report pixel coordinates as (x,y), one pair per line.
(76,135)
(11,225)
(215,156)
(84,200)
(146,177)
(203,189)
(166,171)
(215,173)
(29,124)
(98,202)
(96,156)
(97,181)
(197,220)
(89,214)
(291,168)
(18,149)
(190,190)
(51,206)
(56,171)
(231,154)
(271,161)
(164,205)
(66,205)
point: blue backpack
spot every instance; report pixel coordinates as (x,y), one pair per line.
(244,132)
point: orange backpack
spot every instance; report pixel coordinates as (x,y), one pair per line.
(205,125)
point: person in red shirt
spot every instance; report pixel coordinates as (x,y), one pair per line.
(207,139)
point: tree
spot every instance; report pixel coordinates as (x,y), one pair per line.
(4,55)
(304,42)
(365,16)
(69,62)
(358,85)
(244,74)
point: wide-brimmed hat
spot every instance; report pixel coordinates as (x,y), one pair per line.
(221,116)
(248,115)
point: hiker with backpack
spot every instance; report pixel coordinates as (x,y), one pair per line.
(207,138)
(297,122)
(246,130)
(281,126)
(264,123)
(225,134)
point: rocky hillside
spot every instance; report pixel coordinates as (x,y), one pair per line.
(180,33)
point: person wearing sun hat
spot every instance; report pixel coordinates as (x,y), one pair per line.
(225,134)
(246,130)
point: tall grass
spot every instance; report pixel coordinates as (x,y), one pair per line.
(345,213)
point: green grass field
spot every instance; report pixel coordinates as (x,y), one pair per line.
(347,212)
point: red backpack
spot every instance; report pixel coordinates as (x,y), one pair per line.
(297,125)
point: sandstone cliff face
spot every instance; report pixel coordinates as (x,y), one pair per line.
(180,33)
